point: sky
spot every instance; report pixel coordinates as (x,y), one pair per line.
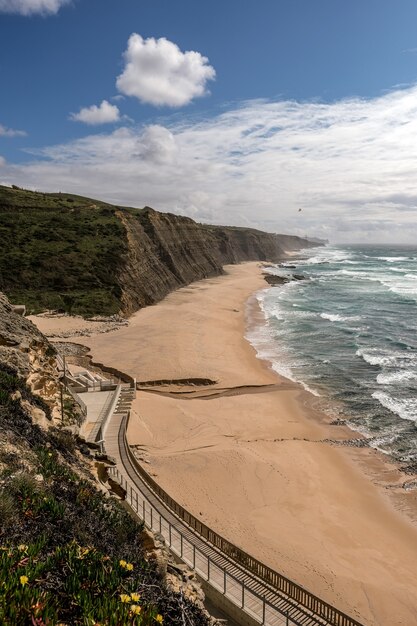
(232,112)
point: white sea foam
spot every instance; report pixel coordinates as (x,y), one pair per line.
(326,255)
(385,440)
(362,275)
(335,317)
(392,378)
(392,259)
(404,408)
(261,337)
(404,290)
(377,357)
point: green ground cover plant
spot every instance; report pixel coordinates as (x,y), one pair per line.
(60,252)
(69,555)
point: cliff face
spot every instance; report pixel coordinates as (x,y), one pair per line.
(28,352)
(164,252)
(168,251)
(82,256)
(236,245)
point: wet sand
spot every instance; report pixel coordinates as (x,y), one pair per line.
(249,454)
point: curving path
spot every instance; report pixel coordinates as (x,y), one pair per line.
(259,600)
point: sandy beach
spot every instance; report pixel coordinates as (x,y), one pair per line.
(253,457)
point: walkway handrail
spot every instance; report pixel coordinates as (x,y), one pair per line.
(295,592)
(99,428)
(77,399)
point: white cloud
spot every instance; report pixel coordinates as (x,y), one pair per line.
(158,145)
(10,132)
(2,161)
(350,165)
(158,72)
(105,113)
(30,7)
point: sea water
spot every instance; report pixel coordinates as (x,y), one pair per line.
(348,333)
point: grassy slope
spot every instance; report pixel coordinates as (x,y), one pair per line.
(68,555)
(60,251)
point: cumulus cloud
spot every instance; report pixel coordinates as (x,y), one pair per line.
(30,7)
(158,72)
(157,144)
(10,132)
(350,165)
(105,113)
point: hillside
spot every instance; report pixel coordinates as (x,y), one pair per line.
(69,553)
(83,256)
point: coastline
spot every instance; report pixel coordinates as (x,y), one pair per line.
(254,463)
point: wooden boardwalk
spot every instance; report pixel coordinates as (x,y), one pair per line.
(258,599)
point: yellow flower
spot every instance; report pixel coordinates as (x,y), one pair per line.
(159,619)
(24,580)
(122,563)
(49,453)
(129,566)
(82,552)
(22,547)
(124,597)
(135,608)
(135,597)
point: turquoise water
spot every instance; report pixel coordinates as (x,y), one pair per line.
(348,333)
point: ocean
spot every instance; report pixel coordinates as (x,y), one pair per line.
(348,333)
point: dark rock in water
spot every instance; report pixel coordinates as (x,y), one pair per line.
(272,279)
(288,267)
(409,469)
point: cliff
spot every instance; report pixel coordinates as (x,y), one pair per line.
(84,256)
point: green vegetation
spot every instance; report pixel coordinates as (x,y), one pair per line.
(68,554)
(60,251)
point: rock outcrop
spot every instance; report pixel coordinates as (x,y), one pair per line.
(25,349)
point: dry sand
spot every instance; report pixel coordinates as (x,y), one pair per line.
(250,459)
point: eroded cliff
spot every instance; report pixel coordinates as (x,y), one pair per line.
(167,251)
(87,257)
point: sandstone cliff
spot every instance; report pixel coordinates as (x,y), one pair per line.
(167,251)
(164,252)
(87,257)
(30,355)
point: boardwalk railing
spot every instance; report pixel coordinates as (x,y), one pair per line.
(297,594)
(99,429)
(77,399)
(257,606)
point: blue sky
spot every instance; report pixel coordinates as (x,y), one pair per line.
(242,113)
